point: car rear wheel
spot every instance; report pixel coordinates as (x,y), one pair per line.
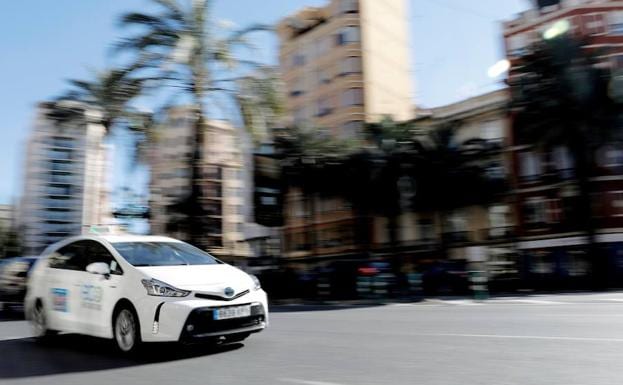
(39,322)
(126,330)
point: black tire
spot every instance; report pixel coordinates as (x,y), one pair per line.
(126,330)
(236,337)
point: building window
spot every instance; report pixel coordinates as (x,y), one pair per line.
(182,173)
(323,106)
(518,44)
(352,97)
(610,156)
(351,65)
(530,165)
(495,171)
(298,209)
(616,62)
(298,87)
(348,35)
(349,6)
(615,23)
(268,201)
(554,211)
(616,203)
(594,24)
(213,172)
(321,47)
(563,161)
(426,229)
(498,220)
(62,142)
(322,77)
(535,211)
(493,131)
(298,59)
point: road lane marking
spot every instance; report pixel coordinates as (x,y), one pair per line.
(306,382)
(456,302)
(531,301)
(555,338)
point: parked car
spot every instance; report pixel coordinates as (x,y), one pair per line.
(135,289)
(13,276)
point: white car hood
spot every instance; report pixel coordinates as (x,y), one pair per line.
(203,278)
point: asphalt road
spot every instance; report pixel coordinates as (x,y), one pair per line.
(565,339)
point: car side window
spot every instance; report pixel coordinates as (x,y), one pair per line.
(69,257)
(99,253)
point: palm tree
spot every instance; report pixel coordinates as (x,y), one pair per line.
(260,103)
(561,96)
(392,157)
(181,45)
(111,92)
(450,175)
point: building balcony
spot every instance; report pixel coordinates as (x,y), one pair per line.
(456,237)
(498,233)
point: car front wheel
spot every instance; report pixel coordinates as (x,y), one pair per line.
(126,330)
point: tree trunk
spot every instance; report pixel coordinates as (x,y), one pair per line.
(196,213)
(583,172)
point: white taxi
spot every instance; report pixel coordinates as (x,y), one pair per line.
(135,289)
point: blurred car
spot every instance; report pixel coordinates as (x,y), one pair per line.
(135,289)
(376,279)
(13,276)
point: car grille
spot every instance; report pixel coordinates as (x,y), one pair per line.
(220,298)
(203,322)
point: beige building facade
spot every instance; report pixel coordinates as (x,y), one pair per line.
(346,64)
(223,181)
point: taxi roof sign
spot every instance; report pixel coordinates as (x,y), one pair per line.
(104,229)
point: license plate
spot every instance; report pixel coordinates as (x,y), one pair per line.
(232,312)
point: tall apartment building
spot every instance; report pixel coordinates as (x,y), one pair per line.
(346,64)
(6,217)
(223,182)
(343,65)
(551,235)
(65,176)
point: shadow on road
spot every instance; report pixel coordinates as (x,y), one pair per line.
(73,353)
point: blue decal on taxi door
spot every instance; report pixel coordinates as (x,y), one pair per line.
(59,300)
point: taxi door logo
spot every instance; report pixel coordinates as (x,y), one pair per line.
(91,297)
(59,300)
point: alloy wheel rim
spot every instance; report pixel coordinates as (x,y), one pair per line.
(38,320)
(125,330)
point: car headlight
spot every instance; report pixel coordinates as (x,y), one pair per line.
(256,282)
(161,289)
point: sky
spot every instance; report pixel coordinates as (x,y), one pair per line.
(44,43)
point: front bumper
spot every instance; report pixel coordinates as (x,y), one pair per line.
(166,320)
(201,324)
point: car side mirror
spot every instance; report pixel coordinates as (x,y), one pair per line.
(99,268)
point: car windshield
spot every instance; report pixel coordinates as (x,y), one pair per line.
(163,254)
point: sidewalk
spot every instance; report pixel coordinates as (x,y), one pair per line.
(613,295)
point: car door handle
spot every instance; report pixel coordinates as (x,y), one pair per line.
(112,286)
